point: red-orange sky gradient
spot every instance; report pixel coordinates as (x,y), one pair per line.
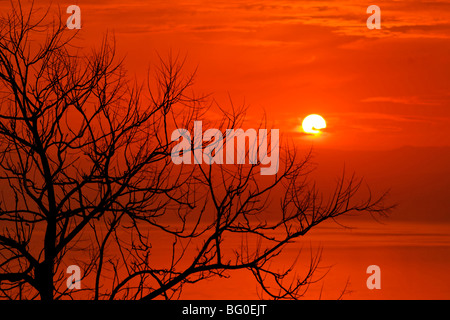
(378,89)
(385,95)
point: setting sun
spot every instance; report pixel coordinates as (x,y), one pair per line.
(313,123)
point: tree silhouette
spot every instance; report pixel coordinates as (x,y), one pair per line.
(87,179)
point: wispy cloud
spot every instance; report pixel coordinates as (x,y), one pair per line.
(429,19)
(413,100)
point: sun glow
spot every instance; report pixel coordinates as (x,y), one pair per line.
(313,123)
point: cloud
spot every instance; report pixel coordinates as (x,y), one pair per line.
(402,100)
(421,18)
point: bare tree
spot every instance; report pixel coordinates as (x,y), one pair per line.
(87,179)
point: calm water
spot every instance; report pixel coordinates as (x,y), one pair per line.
(414,259)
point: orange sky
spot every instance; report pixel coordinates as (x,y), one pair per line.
(379,90)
